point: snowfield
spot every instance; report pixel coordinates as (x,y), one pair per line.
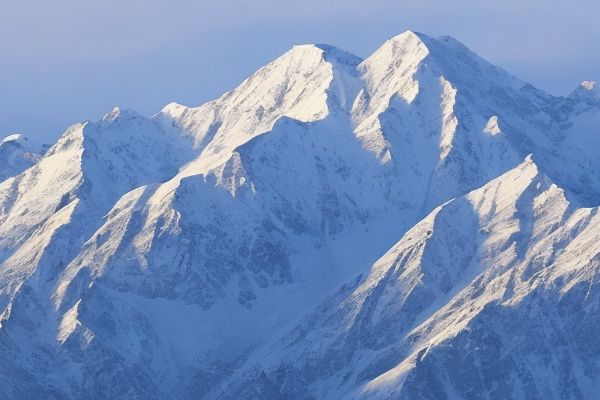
(419,224)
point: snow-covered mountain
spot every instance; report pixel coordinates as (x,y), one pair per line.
(17,154)
(418,224)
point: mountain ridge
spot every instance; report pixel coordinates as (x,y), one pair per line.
(275,242)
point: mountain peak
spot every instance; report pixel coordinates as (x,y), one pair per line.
(254,258)
(406,43)
(589,85)
(587,92)
(412,41)
(389,70)
(407,35)
(15,137)
(119,113)
(17,153)
(327,52)
(23,141)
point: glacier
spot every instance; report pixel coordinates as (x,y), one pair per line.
(416,224)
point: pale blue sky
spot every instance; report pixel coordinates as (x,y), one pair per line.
(64,61)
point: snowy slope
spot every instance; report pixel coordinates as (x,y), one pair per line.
(17,154)
(234,250)
(48,210)
(486,297)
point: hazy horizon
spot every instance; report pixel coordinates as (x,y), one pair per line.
(71,61)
